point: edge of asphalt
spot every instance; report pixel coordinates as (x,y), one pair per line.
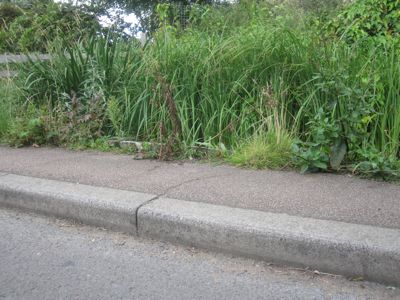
(324,245)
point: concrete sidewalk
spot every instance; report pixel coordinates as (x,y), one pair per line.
(281,217)
(322,196)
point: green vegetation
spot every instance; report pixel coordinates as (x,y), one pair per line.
(376,20)
(271,150)
(267,86)
(146,10)
(28,26)
(7,105)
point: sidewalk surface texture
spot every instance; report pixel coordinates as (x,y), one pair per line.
(320,196)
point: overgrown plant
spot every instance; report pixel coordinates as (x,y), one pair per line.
(8,103)
(247,87)
(376,20)
(28,26)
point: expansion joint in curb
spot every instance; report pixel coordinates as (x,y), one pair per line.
(140,206)
(164,194)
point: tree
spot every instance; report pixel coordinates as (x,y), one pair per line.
(377,20)
(145,10)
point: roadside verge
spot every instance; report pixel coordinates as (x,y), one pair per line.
(329,246)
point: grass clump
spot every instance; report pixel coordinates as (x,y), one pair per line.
(264,150)
(8,105)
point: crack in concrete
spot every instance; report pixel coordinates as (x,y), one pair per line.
(186,182)
(153,169)
(3,174)
(137,211)
(158,196)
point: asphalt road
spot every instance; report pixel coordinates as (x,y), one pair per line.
(45,258)
(322,196)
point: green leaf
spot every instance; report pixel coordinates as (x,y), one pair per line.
(304,168)
(321,165)
(338,152)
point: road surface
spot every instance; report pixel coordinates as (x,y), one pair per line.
(46,258)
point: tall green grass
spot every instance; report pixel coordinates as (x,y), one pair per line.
(222,85)
(8,104)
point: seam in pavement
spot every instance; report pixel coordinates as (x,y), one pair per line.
(165,193)
(188,181)
(139,207)
(153,169)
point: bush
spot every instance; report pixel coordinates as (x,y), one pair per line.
(8,13)
(25,132)
(369,19)
(31,28)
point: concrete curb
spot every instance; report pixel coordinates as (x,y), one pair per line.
(336,247)
(104,207)
(330,246)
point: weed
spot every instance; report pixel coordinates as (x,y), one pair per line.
(254,83)
(264,150)
(8,99)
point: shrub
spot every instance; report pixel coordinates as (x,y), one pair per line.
(369,19)
(25,132)
(8,13)
(30,28)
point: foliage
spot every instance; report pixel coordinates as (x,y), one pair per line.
(31,27)
(8,97)
(318,6)
(250,85)
(369,19)
(27,128)
(375,164)
(323,135)
(270,150)
(146,10)
(8,13)
(24,133)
